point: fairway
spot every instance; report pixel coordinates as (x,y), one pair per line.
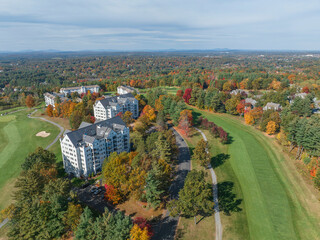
(278,204)
(18,139)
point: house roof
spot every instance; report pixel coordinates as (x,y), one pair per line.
(88,132)
(114,100)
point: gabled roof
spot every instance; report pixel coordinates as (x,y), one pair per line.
(114,100)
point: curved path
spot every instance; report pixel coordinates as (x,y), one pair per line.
(56,124)
(215,195)
(166,229)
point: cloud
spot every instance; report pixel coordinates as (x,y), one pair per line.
(145,24)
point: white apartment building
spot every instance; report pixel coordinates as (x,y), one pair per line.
(125,89)
(51,98)
(110,106)
(84,150)
(80,90)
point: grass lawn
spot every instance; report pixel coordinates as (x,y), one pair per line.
(18,139)
(3,232)
(277,203)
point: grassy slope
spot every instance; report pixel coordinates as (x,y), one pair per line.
(278,205)
(17,133)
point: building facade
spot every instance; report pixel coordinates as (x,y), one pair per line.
(51,98)
(80,90)
(84,150)
(110,106)
(125,89)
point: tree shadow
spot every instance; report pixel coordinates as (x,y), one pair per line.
(228,201)
(219,159)
(230,139)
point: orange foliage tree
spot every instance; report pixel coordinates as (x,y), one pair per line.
(49,110)
(248,118)
(30,101)
(149,112)
(271,127)
(185,121)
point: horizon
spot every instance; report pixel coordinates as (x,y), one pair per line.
(159,25)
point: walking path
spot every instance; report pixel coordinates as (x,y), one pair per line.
(56,124)
(54,141)
(166,229)
(215,196)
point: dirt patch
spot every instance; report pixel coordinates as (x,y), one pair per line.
(43,134)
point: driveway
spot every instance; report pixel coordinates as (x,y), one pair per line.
(166,228)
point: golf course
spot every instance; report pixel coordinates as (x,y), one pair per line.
(18,139)
(276,202)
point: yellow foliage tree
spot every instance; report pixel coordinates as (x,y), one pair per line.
(271,128)
(136,233)
(248,118)
(149,112)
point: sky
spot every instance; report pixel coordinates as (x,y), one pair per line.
(135,25)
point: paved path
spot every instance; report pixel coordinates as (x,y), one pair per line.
(14,111)
(215,196)
(56,124)
(166,229)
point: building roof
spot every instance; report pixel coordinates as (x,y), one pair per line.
(73,88)
(251,101)
(272,105)
(127,87)
(88,132)
(114,100)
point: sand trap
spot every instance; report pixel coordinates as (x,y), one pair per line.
(42,134)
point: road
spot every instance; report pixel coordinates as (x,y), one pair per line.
(56,124)
(166,229)
(215,195)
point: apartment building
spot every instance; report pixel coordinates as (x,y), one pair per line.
(51,98)
(84,150)
(110,106)
(125,89)
(80,90)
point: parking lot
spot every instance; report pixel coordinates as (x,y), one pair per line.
(94,197)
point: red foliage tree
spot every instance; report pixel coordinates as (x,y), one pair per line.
(240,107)
(142,223)
(179,93)
(305,89)
(185,121)
(112,194)
(187,95)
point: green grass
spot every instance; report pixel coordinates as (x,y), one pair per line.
(11,109)
(18,139)
(277,202)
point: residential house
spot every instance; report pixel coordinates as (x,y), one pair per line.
(80,90)
(51,98)
(125,89)
(272,106)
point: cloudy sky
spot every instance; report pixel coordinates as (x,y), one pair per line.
(159,24)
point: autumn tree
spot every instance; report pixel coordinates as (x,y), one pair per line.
(187,95)
(72,216)
(201,153)
(149,112)
(185,121)
(136,233)
(30,101)
(179,93)
(248,118)
(271,128)
(231,105)
(49,110)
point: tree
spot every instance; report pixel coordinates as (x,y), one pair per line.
(231,105)
(248,118)
(72,216)
(201,153)
(112,194)
(149,112)
(85,226)
(240,107)
(127,117)
(40,155)
(195,198)
(185,121)
(153,188)
(143,223)
(49,110)
(30,101)
(136,233)
(179,93)
(271,128)
(187,95)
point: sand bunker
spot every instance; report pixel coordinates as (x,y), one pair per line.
(42,134)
